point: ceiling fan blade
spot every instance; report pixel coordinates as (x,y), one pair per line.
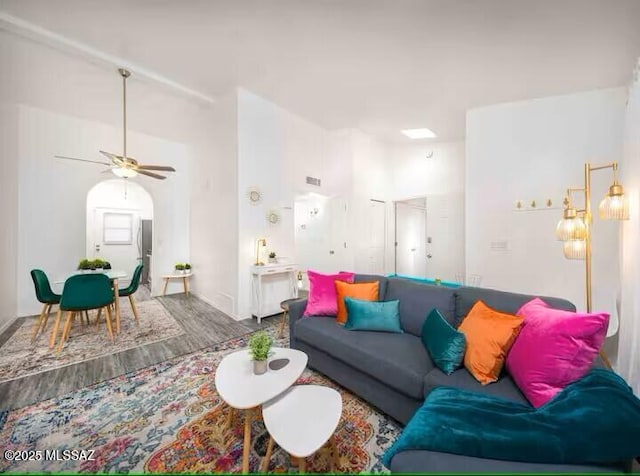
(155,167)
(151,174)
(116,159)
(81,160)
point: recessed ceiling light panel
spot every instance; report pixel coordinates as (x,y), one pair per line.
(423,133)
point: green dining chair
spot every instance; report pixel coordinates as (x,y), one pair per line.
(83,292)
(46,296)
(131,289)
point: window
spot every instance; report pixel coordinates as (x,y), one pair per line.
(117,228)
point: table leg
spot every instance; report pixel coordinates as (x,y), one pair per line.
(116,294)
(184,285)
(302,465)
(230,417)
(247,441)
(335,457)
(282,324)
(267,457)
(166,283)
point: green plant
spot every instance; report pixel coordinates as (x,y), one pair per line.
(187,266)
(85,264)
(99,263)
(272,254)
(179,266)
(259,345)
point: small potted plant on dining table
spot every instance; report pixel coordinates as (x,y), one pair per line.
(259,347)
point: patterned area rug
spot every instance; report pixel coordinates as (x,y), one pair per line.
(169,418)
(19,357)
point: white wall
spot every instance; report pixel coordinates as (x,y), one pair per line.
(53,193)
(440,178)
(8,212)
(628,362)
(72,88)
(538,148)
(277,150)
(214,205)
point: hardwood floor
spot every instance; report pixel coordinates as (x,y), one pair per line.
(204,326)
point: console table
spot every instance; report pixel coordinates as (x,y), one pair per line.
(271,284)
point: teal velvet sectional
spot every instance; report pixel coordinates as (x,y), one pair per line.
(394,372)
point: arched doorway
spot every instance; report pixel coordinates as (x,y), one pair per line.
(120,226)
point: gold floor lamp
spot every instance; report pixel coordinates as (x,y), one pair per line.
(575,227)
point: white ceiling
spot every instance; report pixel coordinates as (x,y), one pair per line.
(379,65)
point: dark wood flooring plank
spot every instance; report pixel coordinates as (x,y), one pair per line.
(204,326)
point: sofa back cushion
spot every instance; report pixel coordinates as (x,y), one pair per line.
(501,301)
(417,300)
(369,278)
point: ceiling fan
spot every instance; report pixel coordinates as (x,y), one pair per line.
(121,165)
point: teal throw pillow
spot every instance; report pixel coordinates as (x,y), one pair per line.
(445,345)
(382,316)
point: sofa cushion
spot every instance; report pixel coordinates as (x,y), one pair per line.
(369,278)
(446,346)
(501,301)
(490,334)
(423,461)
(417,300)
(378,316)
(364,291)
(323,299)
(461,378)
(554,348)
(399,360)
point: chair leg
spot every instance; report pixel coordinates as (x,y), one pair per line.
(54,331)
(282,323)
(267,456)
(46,316)
(108,319)
(133,307)
(65,331)
(86,317)
(98,317)
(38,325)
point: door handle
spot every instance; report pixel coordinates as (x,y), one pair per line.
(429,255)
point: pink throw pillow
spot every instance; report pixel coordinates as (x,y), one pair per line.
(554,348)
(323,300)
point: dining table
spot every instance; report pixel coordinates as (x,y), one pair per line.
(114,275)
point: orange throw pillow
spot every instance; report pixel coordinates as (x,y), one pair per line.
(363,291)
(490,335)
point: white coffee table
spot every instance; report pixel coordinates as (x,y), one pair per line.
(241,389)
(301,420)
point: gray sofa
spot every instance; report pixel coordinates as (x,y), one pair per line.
(394,372)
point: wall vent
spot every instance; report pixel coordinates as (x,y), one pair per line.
(313,181)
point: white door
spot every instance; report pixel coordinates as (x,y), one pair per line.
(411,256)
(375,236)
(116,238)
(338,232)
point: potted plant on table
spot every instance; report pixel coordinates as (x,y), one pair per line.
(85,265)
(259,347)
(272,257)
(187,268)
(179,268)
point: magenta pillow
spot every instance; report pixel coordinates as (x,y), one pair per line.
(323,300)
(554,348)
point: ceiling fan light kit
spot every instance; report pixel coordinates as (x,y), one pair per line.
(122,165)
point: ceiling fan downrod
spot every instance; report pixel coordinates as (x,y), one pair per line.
(125,74)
